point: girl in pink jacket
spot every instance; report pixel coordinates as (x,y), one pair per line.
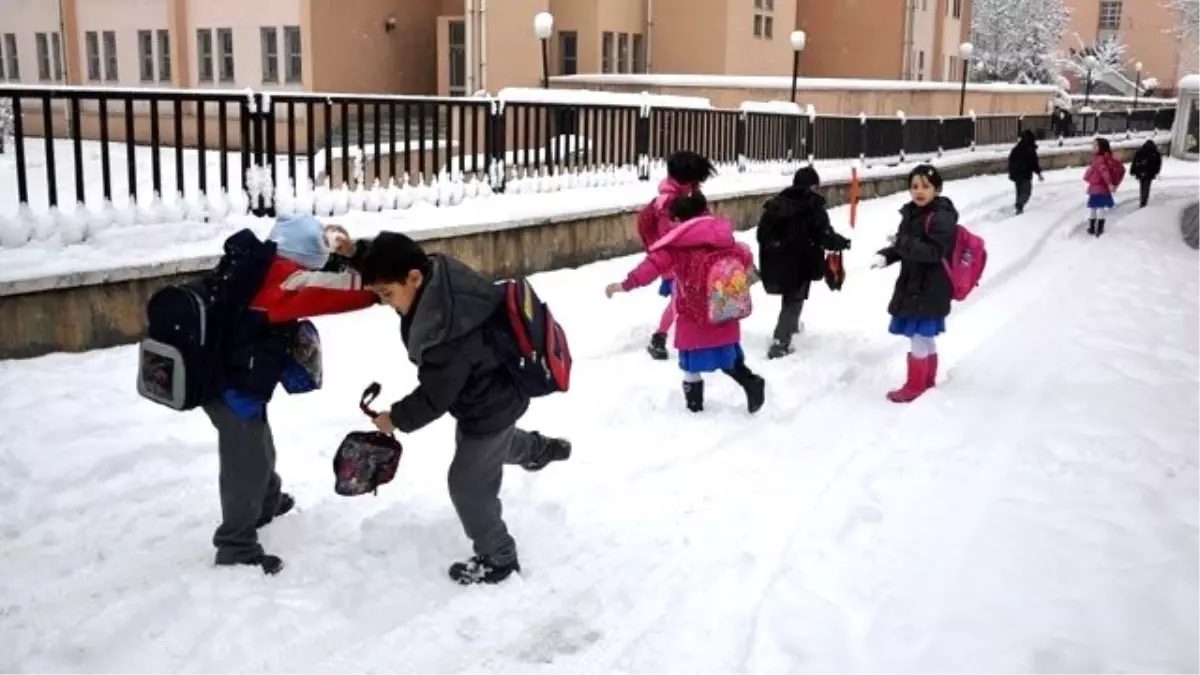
(1103,176)
(687,253)
(686,170)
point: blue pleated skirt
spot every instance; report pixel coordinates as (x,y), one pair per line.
(925,326)
(711,359)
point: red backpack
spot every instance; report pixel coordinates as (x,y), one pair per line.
(966,262)
(530,342)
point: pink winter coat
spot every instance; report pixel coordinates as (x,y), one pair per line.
(1103,175)
(668,190)
(680,252)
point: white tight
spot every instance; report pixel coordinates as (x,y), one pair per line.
(1098,213)
(692,377)
(923,347)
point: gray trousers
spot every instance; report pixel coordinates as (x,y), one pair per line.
(475,477)
(791,305)
(249,486)
(1024,192)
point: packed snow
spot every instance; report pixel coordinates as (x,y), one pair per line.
(153,231)
(784,83)
(1036,512)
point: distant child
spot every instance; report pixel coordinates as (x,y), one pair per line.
(1103,176)
(921,300)
(1147,164)
(1022,165)
(793,234)
(698,243)
(686,171)
(256,351)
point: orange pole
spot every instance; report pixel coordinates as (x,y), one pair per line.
(853,196)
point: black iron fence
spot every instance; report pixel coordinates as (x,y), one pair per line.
(200,142)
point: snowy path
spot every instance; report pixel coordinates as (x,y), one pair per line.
(1037,512)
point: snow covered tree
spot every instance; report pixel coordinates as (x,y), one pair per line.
(1186,32)
(6,122)
(1110,57)
(1015,40)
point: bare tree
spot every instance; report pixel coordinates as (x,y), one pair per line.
(1185,32)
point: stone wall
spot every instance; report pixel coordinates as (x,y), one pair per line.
(91,311)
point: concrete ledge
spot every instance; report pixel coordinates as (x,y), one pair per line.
(93,310)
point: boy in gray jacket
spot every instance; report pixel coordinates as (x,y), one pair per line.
(445,310)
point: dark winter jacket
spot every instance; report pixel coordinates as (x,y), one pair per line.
(1061,123)
(922,244)
(793,235)
(1147,163)
(1023,160)
(458,370)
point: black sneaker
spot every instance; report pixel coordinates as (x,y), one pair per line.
(270,564)
(780,349)
(552,450)
(285,504)
(479,570)
(658,347)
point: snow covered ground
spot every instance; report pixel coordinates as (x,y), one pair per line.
(1037,512)
(96,240)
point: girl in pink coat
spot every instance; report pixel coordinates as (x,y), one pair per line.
(686,252)
(1103,176)
(686,170)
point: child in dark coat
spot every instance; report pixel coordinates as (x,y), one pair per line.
(1022,165)
(1147,164)
(793,234)
(921,300)
(445,311)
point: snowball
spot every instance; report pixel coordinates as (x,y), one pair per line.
(15,231)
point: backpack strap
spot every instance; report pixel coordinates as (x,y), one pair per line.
(928,229)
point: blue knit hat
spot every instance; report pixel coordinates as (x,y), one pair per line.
(300,239)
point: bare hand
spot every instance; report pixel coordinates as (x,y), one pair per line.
(612,289)
(383,422)
(338,239)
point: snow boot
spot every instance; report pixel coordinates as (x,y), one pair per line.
(933,367)
(693,393)
(551,450)
(754,386)
(1099,227)
(270,564)
(780,349)
(916,384)
(480,570)
(658,347)
(285,504)
(1092,226)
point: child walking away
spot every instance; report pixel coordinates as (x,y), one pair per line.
(686,171)
(711,295)
(446,312)
(1147,164)
(921,300)
(793,234)
(1103,176)
(1022,165)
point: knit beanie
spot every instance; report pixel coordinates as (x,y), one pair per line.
(300,239)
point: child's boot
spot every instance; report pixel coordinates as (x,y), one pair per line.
(658,347)
(1092,226)
(933,368)
(780,349)
(916,384)
(1099,227)
(754,386)
(693,393)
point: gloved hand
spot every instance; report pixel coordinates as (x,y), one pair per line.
(878,262)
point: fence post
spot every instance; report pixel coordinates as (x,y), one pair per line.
(810,149)
(864,138)
(641,141)
(1128,123)
(903,133)
(257,179)
(742,129)
(495,136)
(974,129)
(1096,122)
(941,135)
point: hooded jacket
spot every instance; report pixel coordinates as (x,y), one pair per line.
(923,241)
(1023,160)
(458,370)
(1147,163)
(793,234)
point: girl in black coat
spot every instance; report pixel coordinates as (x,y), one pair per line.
(1147,164)
(793,234)
(921,301)
(1022,165)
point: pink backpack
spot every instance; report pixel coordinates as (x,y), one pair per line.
(966,263)
(647,224)
(722,287)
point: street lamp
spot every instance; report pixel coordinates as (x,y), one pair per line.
(543,27)
(1138,85)
(965,50)
(799,39)
(1091,65)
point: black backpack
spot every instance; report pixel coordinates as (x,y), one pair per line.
(365,459)
(180,358)
(530,342)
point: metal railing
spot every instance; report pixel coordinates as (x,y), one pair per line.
(211,144)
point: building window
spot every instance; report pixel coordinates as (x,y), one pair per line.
(204,55)
(43,56)
(606,52)
(164,55)
(1110,14)
(12,57)
(921,65)
(269,37)
(568,52)
(764,22)
(958,9)
(109,39)
(225,44)
(91,41)
(952,69)
(146,55)
(639,53)
(458,58)
(56,55)
(294,67)
(622,52)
